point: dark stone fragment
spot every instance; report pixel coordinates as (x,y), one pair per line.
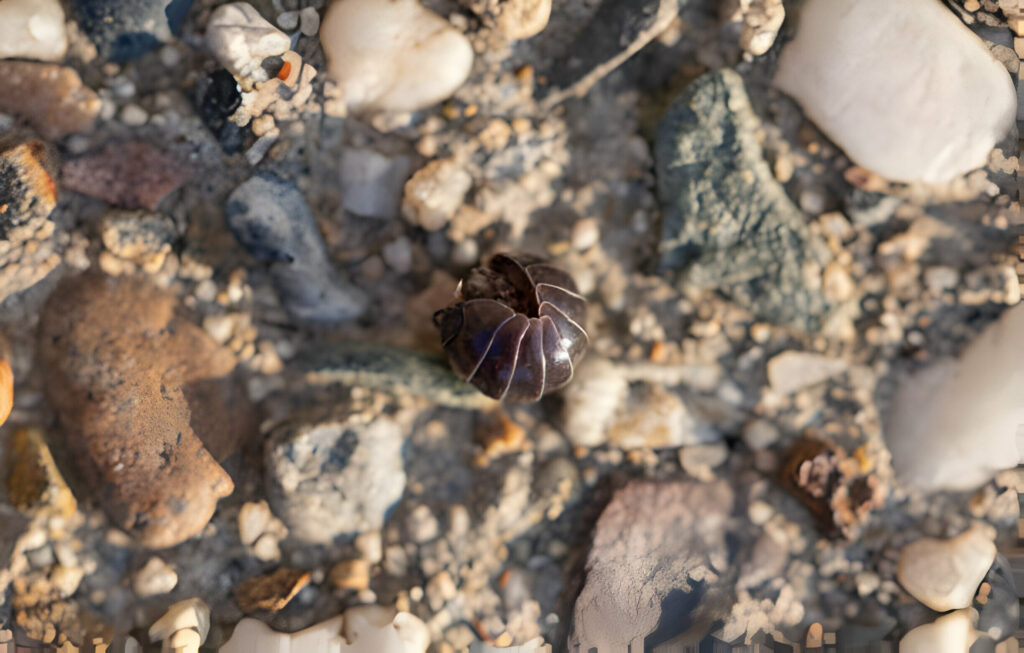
(728,224)
(127,29)
(218,97)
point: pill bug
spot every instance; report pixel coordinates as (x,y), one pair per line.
(517,330)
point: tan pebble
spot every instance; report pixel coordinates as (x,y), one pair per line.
(522,19)
(814,636)
(6,390)
(252,521)
(266,548)
(185,641)
(350,575)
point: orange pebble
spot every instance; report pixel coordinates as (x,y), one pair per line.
(286,70)
(6,390)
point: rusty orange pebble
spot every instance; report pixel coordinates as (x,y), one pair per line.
(6,390)
(286,70)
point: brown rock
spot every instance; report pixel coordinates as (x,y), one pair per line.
(131,175)
(350,575)
(271,592)
(6,390)
(146,403)
(27,196)
(652,540)
(831,485)
(34,483)
(49,97)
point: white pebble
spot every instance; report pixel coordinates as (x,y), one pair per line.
(947,100)
(398,255)
(792,371)
(951,633)
(240,39)
(156,577)
(309,21)
(393,56)
(32,29)
(585,234)
(945,574)
(759,434)
(133,115)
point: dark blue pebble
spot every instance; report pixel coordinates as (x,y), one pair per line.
(127,29)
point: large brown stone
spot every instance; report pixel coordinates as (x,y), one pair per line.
(147,405)
(49,97)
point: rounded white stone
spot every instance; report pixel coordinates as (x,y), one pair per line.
(393,56)
(240,39)
(903,87)
(945,574)
(32,29)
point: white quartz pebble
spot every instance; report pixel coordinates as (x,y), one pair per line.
(32,29)
(955,424)
(791,371)
(240,39)
(362,629)
(951,633)
(903,87)
(945,574)
(393,56)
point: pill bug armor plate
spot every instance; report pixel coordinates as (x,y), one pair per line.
(518,329)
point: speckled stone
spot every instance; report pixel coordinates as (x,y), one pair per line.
(128,29)
(728,224)
(147,405)
(49,97)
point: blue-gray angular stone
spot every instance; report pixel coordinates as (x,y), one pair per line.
(728,224)
(127,29)
(271,219)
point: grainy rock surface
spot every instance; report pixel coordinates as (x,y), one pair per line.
(49,97)
(657,548)
(129,175)
(728,225)
(146,403)
(335,475)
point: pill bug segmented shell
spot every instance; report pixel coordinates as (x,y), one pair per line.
(518,329)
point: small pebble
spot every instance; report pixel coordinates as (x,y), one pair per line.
(240,39)
(32,29)
(350,575)
(156,577)
(945,574)
(309,21)
(585,234)
(390,74)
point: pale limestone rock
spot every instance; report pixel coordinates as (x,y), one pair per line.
(435,193)
(956,423)
(32,29)
(945,574)
(903,87)
(240,39)
(362,629)
(190,614)
(521,19)
(393,56)
(792,371)
(156,577)
(592,400)
(951,633)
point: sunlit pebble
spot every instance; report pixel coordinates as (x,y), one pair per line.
(585,234)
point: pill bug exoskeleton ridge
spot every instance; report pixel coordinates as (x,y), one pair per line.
(518,329)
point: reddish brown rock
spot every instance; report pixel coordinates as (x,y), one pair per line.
(131,175)
(271,592)
(147,405)
(49,97)
(27,196)
(833,486)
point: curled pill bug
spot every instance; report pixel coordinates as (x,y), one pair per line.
(517,329)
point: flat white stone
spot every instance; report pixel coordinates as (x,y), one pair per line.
(32,29)
(951,633)
(957,423)
(945,574)
(903,87)
(791,371)
(240,39)
(393,56)
(362,629)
